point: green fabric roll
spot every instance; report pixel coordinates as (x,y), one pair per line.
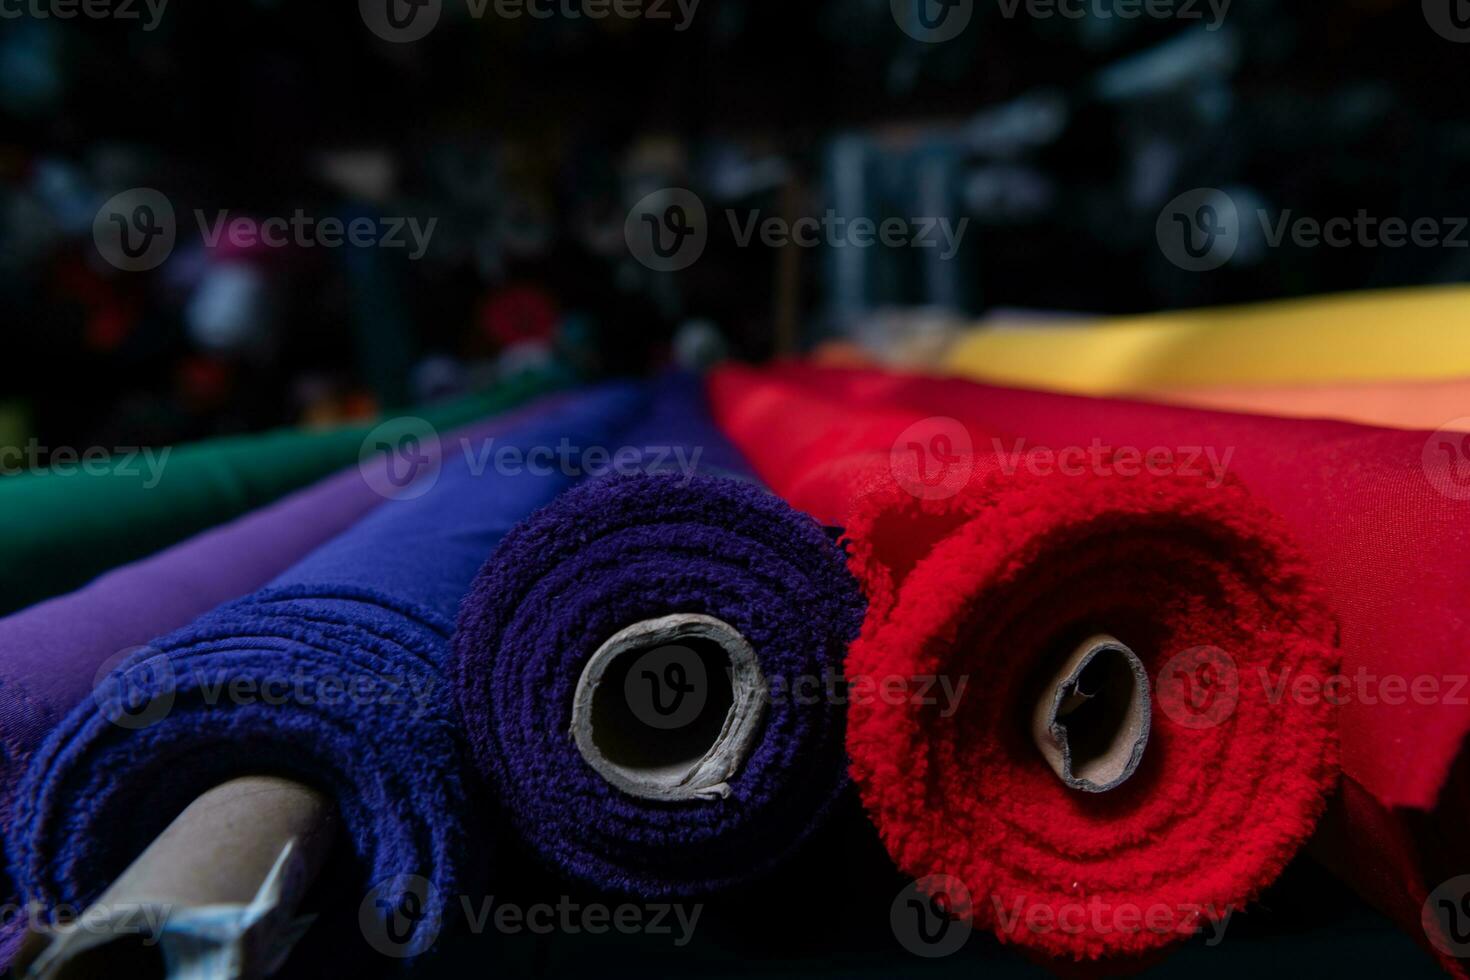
(60,530)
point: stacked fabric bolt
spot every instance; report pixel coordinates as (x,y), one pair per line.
(681,553)
(1384,521)
(983,573)
(1405,335)
(1390,358)
(63,529)
(53,654)
(370,612)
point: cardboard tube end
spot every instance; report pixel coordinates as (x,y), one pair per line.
(1091,721)
(670,708)
(214,895)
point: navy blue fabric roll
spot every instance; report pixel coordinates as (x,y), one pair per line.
(607,614)
(332,675)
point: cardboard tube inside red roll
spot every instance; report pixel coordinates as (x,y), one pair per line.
(1382,515)
(1091,719)
(978,573)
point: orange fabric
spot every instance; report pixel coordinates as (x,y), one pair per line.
(1427,405)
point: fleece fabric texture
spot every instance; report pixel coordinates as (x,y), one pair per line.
(986,574)
(1384,517)
(332,674)
(611,553)
(51,654)
(61,529)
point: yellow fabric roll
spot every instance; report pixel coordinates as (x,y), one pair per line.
(1390,335)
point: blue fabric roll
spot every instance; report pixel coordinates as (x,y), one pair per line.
(332,675)
(690,534)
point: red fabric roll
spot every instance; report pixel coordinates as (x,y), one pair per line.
(1384,519)
(980,576)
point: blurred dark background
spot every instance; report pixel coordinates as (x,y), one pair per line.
(528,139)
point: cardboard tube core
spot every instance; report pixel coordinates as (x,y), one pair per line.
(1091,720)
(214,895)
(670,708)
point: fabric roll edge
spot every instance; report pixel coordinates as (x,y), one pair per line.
(708,551)
(946,557)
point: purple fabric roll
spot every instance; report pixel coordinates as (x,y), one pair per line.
(51,654)
(612,553)
(340,660)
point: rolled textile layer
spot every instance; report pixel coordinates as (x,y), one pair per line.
(1399,405)
(703,582)
(331,675)
(981,577)
(51,654)
(1384,518)
(63,528)
(1390,335)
